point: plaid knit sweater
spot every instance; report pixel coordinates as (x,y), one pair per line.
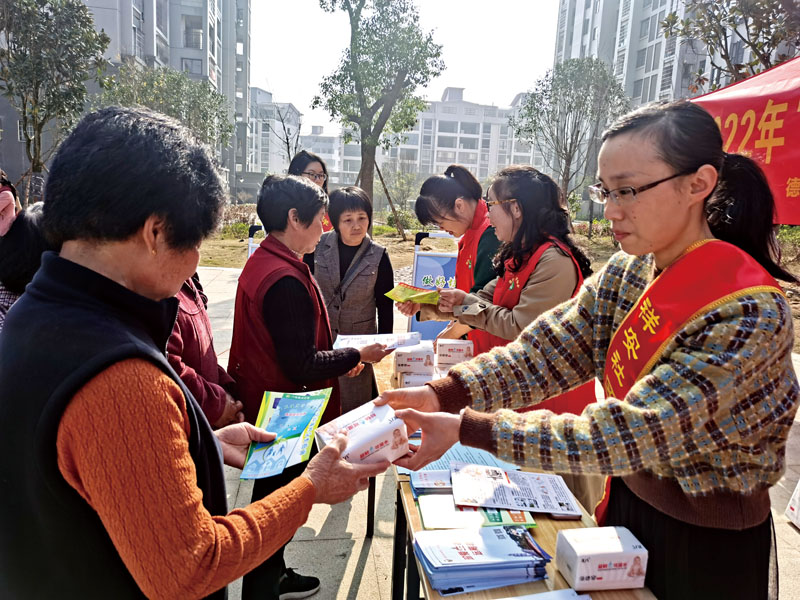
(701,437)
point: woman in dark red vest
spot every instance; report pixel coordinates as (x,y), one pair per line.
(282,340)
(453,202)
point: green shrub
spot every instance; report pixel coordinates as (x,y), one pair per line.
(382,230)
(789,241)
(407,219)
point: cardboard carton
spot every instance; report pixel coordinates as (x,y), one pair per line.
(415,359)
(601,558)
(452,352)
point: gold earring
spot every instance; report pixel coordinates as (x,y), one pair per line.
(153,251)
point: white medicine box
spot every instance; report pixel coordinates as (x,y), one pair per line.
(601,558)
(415,359)
(452,352)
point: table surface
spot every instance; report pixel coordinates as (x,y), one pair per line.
(545,533)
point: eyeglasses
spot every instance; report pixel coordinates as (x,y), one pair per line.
(626,195)
(491,203)
(315,176)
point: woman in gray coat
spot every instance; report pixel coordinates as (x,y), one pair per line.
(354,274)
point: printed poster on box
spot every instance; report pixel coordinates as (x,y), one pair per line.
(432,270)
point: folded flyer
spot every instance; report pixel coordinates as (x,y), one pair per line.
(293,417)
(403,292)
(463,454)
(478,485)
(374,434)
(390,340)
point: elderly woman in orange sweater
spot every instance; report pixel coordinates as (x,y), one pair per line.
(113,480)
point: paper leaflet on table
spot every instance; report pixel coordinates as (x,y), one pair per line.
(464,454)
(403,292)
(390,340)
(292,417)
(479,485)
(554,595)
(439,511)
(374,434)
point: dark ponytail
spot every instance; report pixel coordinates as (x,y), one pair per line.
(741,208)
(438,194)
(543,216)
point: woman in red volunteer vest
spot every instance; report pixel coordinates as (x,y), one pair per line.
(692,338)
(282,341)
(453,203)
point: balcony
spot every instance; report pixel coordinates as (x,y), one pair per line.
(193,38)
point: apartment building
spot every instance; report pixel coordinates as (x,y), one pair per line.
(271,123)
(454,130)
(208,39)
(627,36)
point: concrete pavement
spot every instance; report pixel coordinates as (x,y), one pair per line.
(332,545)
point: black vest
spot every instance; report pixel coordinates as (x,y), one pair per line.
(70,325)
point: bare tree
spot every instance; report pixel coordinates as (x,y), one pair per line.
(289,137)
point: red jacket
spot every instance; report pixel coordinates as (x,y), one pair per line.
(253,359)
(190,351)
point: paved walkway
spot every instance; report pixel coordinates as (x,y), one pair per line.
(332,546)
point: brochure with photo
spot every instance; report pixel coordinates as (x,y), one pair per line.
(479,485)
(390,340)
(292,417)
(374,434)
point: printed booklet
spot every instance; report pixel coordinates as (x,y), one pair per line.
(293,417)
(479,485)
(374,434)
(403,292)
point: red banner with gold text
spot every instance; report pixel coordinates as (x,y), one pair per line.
(759,117)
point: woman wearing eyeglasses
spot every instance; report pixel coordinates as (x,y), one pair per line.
(453,202)
(312,167)
(692,337)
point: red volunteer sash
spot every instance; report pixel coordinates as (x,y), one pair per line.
(507,293)
(684,291)
(465,266)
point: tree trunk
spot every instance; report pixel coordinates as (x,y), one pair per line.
(397,222)
(591,217)
(367,167)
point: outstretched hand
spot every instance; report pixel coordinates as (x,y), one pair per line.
(421,398)
(235,440)
(439,432)
(335,480)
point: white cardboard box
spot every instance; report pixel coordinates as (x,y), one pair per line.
(405,380)
(452,352)
(601,558)
(793,508)
(415,359)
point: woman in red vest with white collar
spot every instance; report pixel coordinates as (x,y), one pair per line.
(454,203)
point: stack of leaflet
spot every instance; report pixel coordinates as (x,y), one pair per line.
(467,560)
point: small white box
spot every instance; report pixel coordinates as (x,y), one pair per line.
(793,508)
(601,558)
(415,359)
(452,352)
(416,379)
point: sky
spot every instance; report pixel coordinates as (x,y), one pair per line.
(492,48)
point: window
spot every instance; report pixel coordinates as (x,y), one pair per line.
(449,110)
(192,65)
(240,48)
(350,150)
(485,143)
(428,124)
(594,34)
(653,83)
(448,126)
(427,140)
(468,158)
(649,66)
(490,112)
(353,166)
(637,88)
(445,156)
(412,139)
(470,128)
(653,28)
(644,27)
(646,3)
(640,58)
(503,129)
(521,146)
(408,154)
(212,40)
(446,141)
(585,27)
(656,55)
(468,143)
(471,111)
